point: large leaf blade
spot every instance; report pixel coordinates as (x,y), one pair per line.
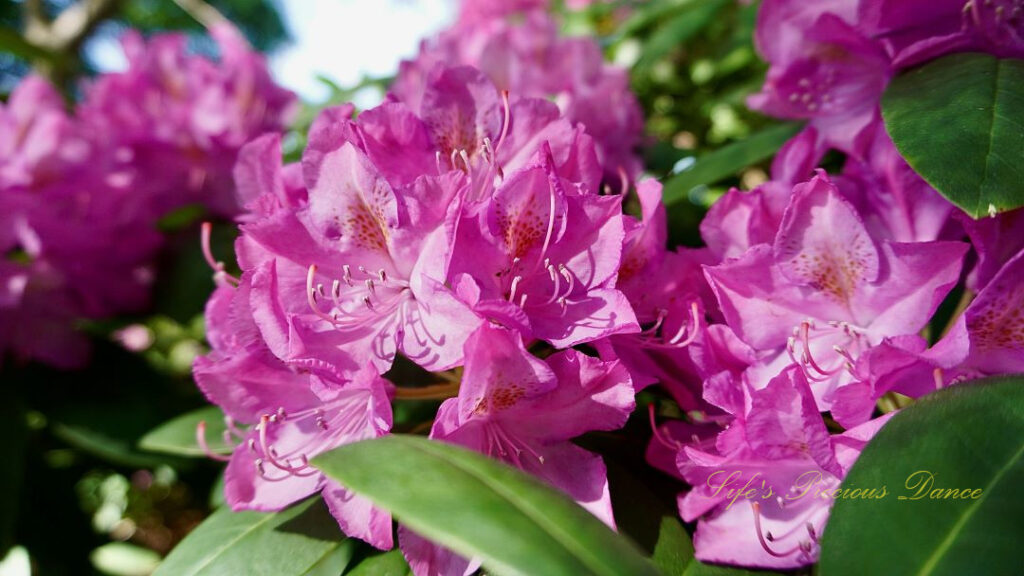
(959,122)
(728,160)
(291,542)
(477,507)
(970,436)
(178,436)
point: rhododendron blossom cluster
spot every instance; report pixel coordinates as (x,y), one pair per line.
(517,45)
(467,226)
(454,238)
(480,259)
(81,191)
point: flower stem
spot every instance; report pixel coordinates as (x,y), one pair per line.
(432,392)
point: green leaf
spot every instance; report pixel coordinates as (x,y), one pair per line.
(728,160)
(387,564)
(481,508)
(291,542)
(959,122)
(968,437)
(99,433)
(690,20)
(178,436)
(673,551)
(700,569)
(335,562)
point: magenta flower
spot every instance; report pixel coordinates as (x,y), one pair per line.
(542,254)
(989,336)
(354,273)
(894,201)
(776,444)
(64,228)
(670,298)
(279,418)
(996,239)
(739,220)
(822,68)
(826,291)
(525,56)
(915,31)
(181,119)
(522,410)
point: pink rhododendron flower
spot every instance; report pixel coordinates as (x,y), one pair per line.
(774,443)
(181,118)
(63,227)
(528,58)
(822,68)
(494,201)
(544,256)
(291,416)
(830,289)
(523,410)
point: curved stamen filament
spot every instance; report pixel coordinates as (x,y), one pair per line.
(219,274)
(695,318)
(570,280)
(201,441)
(271,455)
(657,323)
(311,293)
(551,226)
(765,537)
(556,279)
(507,109)
(669,443)
(512,290)
(805,328)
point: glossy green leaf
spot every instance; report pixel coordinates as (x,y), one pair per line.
(291,542)
(178,436)
(959,122)
(387,564)
(968,437)
(481,508)
(728,161)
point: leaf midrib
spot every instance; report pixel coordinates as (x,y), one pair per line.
(991,140)
(564,539)
(220,550)
(944,546)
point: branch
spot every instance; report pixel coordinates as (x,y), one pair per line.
(203,13)
(71,26)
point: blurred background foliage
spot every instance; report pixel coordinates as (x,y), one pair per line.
(78,494)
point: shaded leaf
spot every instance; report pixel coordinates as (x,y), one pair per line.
(968,437)
(293,541)
(481,508)
(387,564)
(178,436)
